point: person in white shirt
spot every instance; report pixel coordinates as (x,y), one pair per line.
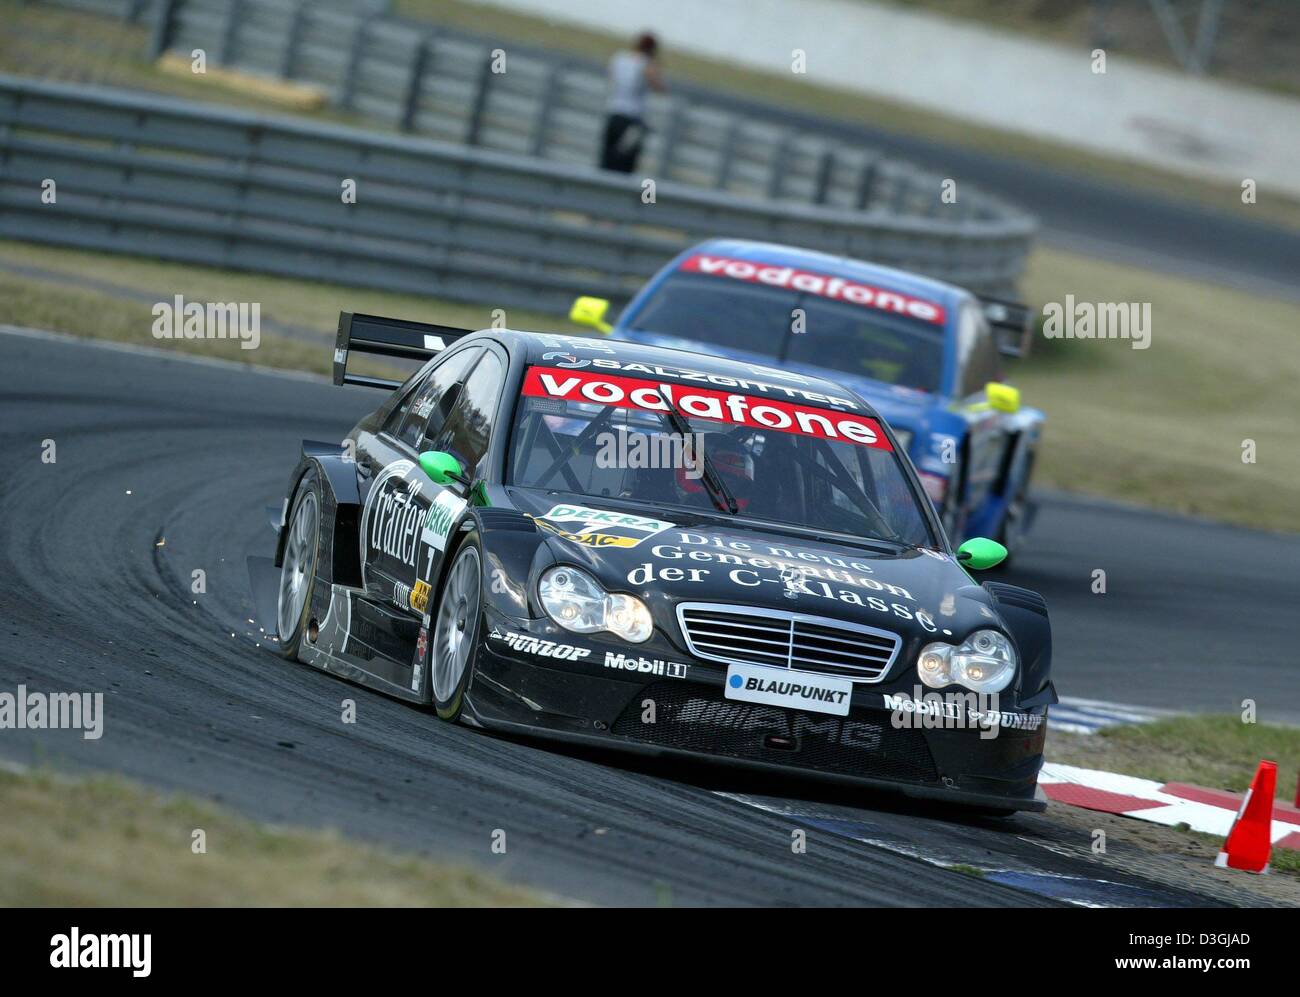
(632,72)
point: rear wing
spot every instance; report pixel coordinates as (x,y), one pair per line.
(387,337)
(1012,323)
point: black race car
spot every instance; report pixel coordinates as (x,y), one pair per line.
(658,551)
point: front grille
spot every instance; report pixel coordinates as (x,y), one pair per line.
(698,718)
(787,640)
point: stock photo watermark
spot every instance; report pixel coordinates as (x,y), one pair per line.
(1071,319)
(28,710)
(654,451)
(979,711)
(181,319)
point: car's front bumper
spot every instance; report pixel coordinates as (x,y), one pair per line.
(684,712)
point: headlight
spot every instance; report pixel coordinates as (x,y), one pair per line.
(984,662)
(575,600)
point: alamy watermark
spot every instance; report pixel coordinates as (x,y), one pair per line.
(956,711)
(83,711)
(181,319)
(638,451)
(93,950)
(1072,319)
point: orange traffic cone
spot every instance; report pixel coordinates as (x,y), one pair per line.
(1248,843)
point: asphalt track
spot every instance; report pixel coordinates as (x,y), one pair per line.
(166,465)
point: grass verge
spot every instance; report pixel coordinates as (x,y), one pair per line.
(1286,860)
(1219,752)
(106,296)
(1165,426)
(104,841)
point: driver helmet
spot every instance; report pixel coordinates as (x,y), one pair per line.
(730,458)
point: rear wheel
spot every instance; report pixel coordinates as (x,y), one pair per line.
(456,630)
(298,569)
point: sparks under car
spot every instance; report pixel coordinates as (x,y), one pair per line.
(658,551)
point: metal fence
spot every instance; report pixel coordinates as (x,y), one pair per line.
(179,180)
(130,10)
(146,10)
(466,88)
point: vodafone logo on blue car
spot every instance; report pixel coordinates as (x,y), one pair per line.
(823,285)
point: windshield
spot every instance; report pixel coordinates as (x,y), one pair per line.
(841,335)
(603,435)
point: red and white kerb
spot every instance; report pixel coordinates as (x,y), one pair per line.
(832,288)
(704,403)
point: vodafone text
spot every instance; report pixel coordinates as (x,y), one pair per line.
(822,285)
(704,403)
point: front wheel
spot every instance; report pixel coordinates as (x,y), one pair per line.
(456,630)
(298,569)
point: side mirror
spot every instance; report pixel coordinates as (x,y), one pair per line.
(1002,397)
(591,313)
(1012,323)
(980,553)
(442,468)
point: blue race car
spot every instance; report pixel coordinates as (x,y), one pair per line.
(925,354)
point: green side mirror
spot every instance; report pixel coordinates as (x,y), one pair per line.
(590,312)
(980,553)
(442,467)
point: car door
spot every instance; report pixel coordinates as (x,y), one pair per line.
(978,364)
(394,548)
(463,429)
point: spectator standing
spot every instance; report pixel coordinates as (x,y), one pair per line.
(632,72)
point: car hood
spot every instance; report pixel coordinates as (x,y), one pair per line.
(668,556)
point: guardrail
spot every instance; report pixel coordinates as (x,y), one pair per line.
(141,10)
(129,10)
(467,88)
(205,184)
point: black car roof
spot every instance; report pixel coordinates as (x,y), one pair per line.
(557,349)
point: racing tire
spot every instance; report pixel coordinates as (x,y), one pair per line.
(453,649)
(298,567)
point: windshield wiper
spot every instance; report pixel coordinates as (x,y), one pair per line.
(718,490)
